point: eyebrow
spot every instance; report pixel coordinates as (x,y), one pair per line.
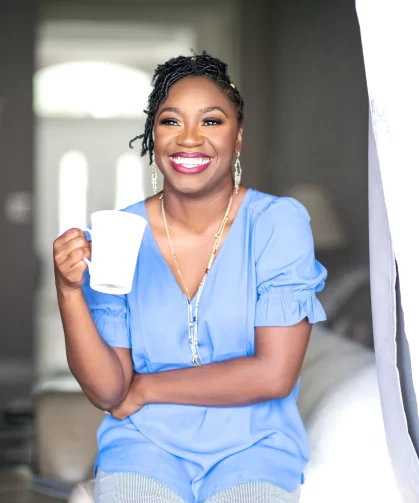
(202,111)
(211,109)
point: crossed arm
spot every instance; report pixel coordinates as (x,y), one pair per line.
(106,373)
(270,373)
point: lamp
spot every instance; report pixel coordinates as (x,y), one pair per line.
(328,231)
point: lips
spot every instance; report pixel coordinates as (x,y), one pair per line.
(190,163)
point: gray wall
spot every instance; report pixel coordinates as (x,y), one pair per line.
(16,172)
(307,105)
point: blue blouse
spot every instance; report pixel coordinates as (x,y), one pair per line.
(264,275)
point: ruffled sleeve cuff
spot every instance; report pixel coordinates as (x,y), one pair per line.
(279,308)
(112,325)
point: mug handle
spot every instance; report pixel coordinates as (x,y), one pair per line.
(86,229)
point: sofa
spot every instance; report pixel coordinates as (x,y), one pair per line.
(338,400)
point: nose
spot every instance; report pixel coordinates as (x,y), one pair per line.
(190,137)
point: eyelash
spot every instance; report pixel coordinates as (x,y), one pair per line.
(173,122)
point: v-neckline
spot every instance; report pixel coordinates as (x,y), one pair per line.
(220,251)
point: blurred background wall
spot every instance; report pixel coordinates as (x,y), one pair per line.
(307,106)
(298,64)
(17,38)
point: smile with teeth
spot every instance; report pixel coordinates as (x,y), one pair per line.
(191,162)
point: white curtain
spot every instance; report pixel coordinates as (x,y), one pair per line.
(390,40)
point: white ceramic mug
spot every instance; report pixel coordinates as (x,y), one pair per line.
(116,239)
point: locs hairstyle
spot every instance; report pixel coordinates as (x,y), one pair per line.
(198,65)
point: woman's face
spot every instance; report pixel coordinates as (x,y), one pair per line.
(196,134)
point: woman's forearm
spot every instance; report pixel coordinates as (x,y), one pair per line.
(270,373)
(241,381)
(93,363)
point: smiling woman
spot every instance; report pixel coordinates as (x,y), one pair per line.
(204,120)
(199,363)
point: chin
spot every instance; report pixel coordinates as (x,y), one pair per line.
(190,189)
(196,184)
(188,184)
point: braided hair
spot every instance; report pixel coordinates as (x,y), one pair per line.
(169,73)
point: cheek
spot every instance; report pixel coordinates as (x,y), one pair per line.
(223,141)
(163,136)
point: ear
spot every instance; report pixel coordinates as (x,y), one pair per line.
(239,140)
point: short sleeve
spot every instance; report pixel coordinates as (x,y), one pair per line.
(110,314)
(287,273)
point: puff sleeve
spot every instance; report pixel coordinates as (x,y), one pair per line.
(287,273)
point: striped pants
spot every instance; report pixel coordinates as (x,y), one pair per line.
(134,488)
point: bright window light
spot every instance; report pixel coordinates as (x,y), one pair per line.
(129,180)
(95,89)
(73,185)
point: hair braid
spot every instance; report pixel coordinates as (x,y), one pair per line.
(167,74)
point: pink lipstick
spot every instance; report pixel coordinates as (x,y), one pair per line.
(190,163)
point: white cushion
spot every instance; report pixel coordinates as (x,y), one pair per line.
(83,493)
(340,405)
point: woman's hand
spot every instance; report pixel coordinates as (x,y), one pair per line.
(69,251)
(133,401)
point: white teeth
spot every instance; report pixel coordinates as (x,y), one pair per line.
(191,161)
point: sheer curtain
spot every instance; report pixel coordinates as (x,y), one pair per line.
(390,40)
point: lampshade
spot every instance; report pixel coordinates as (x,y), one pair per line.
(328,231)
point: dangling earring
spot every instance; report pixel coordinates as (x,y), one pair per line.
(154,175)
(237,173)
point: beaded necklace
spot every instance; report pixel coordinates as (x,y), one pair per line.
(193,314)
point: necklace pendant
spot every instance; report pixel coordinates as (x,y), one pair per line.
(193,312)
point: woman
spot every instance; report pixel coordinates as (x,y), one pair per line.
(199,363)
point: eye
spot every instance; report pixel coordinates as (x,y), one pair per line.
(169,121)
(212,121)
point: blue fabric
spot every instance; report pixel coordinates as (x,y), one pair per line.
(265,275)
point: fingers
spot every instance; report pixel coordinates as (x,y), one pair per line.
(72,277)
(77,255)
(68,236)
(68,243)
(69,251)
(73,249)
